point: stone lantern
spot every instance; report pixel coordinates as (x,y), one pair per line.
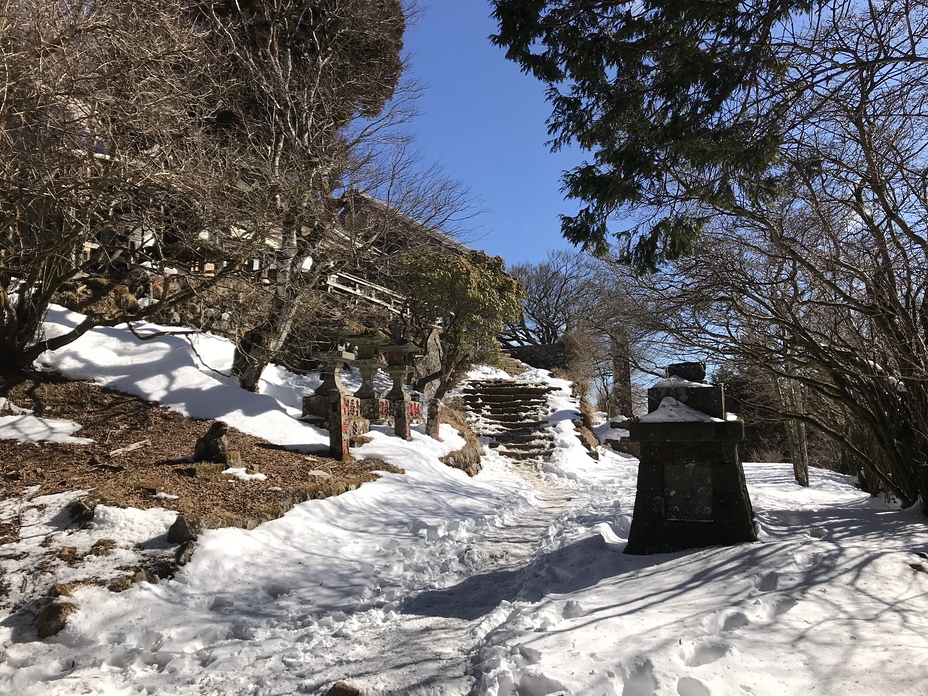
(332,403)
(691,488)
(405,411)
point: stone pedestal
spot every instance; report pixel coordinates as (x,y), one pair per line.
(691,488)
(379,411)
(706,398)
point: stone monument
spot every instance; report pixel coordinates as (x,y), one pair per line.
(691,487)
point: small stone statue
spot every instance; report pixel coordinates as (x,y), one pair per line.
(213,445)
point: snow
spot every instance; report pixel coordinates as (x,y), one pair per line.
(241,474)
(676,382)
(672,411)
(23,426)
(34,429)
(430,582)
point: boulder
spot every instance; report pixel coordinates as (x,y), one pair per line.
(52,619)
(184,529)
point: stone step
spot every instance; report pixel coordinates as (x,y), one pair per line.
(509,427)
(525,455)
(512,414)
(513,409)
(512,393)
(480,402)
(506,388)
(482,398)
(512,417)
(509,437)
(537,447)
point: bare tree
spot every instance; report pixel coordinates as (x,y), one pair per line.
(106,165)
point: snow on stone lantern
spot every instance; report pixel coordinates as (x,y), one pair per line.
(691,488)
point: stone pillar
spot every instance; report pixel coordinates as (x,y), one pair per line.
(399,400)
(433,420)
(368,364)
(406,414)
(691,488)
(345,424)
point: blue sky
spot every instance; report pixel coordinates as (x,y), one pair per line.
(484,121)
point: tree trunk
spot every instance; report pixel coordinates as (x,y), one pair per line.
(792,398)
(260,345)
(621,372)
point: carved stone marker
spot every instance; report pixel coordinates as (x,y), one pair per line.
(691,488)
(345,424)
(433,419)
(212,445)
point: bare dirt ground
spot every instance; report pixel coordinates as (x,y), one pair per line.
(160,466)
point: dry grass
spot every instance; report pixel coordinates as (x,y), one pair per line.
(135,479)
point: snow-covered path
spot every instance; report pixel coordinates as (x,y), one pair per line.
(429,645)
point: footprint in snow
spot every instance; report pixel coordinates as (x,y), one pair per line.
(705,653)
(783,605)
(736,620)
(640,679)
(688,686)
(769,582)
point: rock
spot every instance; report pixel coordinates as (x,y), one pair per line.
(68,554)
(185,552)
(53,618)
(60,589)
(202,470)
(120,584)
(80,511)
(184,530)
(126,581)
(102,547)
(318,473)
(229,459)
(343,689)
(212,444)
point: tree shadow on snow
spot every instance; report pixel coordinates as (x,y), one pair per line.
(818,544)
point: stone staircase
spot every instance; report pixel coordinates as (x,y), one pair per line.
(513,413)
